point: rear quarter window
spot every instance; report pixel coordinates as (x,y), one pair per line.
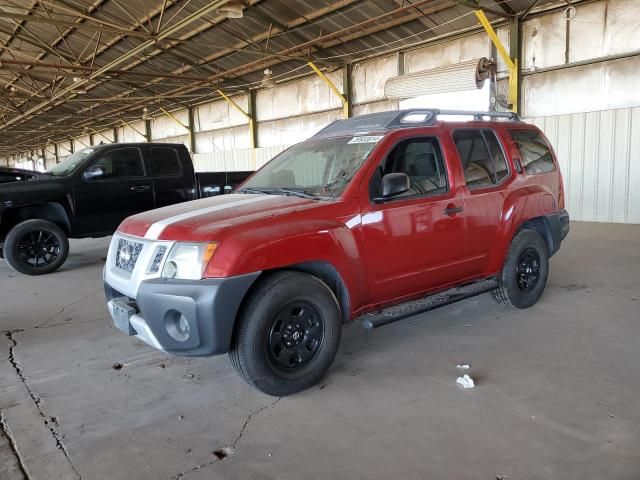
(535,154)
(164,161)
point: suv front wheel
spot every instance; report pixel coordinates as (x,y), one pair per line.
(525,271)
(287,334)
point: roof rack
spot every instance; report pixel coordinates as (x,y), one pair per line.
(383,121)
(430,115)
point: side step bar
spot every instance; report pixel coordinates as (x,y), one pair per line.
(413,307)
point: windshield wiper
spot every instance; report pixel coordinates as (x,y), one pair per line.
(253,190)
(280,191)
(297,193)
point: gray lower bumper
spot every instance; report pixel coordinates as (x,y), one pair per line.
(182,317)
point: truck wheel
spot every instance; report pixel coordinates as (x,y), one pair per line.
(287,334)
(36,247)
(525,271)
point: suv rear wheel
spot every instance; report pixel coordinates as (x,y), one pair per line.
(36,247)
(525,271)
(287,334)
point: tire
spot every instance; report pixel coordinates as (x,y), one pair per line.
(36,247)
(525,271)
(287,334)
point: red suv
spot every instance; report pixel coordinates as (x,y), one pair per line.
(376,217)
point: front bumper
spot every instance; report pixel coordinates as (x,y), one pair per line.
(209,308)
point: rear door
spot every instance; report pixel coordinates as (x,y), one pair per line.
(172,173)
(414,242)
(485,171)
(123,190)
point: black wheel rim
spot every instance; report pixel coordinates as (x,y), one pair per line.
(38,248)
(528,270)
(295,337)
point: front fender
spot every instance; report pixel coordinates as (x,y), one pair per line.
(292,243)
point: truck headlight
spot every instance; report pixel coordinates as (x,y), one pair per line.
(188,261)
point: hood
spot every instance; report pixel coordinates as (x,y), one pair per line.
(34,189)
(200,220)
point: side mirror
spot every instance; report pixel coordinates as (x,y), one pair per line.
(93,172)
(393,184)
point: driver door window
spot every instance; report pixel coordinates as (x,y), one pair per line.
(421,159)
(120,163)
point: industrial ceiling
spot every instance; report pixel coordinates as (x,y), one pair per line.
(69,65)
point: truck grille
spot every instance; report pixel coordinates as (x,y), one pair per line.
(127,254)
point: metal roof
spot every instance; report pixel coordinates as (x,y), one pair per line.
(69,65)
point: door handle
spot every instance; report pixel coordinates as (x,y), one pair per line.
(452,210)
(139,188)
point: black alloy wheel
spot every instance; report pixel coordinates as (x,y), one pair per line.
(296,336)
(528,270)
(36,247)
(287,333)
(525,271)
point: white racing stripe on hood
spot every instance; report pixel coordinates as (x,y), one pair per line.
(157,228)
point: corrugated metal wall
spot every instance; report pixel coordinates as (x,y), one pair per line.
(600,160)
(235,160)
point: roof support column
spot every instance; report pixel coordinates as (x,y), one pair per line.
(147,130)
(347,88)
(253,124)
(191,124)
(515,51)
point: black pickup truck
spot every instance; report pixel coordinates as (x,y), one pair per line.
(90,193)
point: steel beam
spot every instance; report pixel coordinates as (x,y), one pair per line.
(250,115)
(512,64)
(346,113)
(179,25)
(127,124)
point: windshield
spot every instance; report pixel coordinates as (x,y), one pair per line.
(315,168)
(69,164)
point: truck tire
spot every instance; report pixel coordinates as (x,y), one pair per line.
(525,271)
(287,334)
(36,247)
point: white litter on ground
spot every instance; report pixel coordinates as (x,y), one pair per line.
(463,366)
(466,381)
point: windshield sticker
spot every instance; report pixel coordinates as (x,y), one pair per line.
(365,139)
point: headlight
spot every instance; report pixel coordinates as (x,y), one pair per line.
(187,261)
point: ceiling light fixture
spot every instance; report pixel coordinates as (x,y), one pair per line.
(233,9)
(267,80)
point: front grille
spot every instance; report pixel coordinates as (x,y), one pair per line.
(127,254)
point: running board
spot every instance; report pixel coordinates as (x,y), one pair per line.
(413,307)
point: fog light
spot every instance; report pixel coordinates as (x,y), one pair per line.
(170,269)
(177,325)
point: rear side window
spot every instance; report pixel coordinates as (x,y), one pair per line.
(534,151)
(421,159)
(482,158)
(164,161)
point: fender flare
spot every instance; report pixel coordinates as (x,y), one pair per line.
(520,206)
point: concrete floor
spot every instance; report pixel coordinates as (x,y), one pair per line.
(556,394)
